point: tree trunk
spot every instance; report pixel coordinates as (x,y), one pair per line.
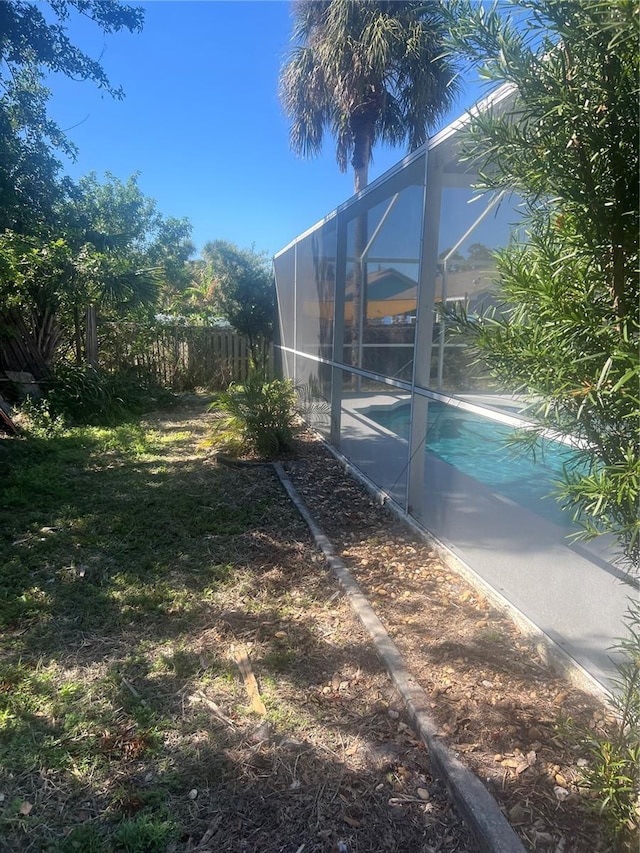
(20,351)
(361,157)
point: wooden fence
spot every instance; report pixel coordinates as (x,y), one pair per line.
(182,357)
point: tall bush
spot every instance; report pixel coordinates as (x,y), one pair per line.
(567,331)
(244,294)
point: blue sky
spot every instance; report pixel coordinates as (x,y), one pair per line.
(201,121)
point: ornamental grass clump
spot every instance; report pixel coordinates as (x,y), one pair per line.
(256,417)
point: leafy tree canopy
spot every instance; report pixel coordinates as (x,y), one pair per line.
(115,216)
(29,39)
(244,293)
(30,186)
(479,254)
(64,246)
(33,40)
(111,248)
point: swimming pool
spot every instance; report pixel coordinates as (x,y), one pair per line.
(476,446)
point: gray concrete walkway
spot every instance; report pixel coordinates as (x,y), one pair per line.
(573,593)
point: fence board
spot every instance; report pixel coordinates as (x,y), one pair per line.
(183,357)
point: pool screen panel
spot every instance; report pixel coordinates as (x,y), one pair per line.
(284,269)
(383,262)
(379,452)
(313,386)
(315,291)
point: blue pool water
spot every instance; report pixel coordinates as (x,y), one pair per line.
(476,446)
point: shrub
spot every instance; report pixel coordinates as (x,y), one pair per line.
(612,745)
(257,416)
(614,772)
(84,395)
(35,416)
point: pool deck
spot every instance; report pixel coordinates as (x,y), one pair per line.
(571,592)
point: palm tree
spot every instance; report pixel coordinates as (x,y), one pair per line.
(367,71)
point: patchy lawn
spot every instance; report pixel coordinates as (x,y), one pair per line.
(135,574)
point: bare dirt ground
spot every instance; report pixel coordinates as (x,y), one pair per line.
(334,764)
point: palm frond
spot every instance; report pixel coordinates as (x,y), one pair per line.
(362,66)
(132,287)
(305,99)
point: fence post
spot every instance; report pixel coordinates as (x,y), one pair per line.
(92,337)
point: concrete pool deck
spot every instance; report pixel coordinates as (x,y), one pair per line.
(573,593)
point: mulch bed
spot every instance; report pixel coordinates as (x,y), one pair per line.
(498,706)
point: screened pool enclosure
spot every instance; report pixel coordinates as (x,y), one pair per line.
(398,395)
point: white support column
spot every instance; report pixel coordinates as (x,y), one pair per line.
(424,332)
(338,327)
(295,312)
(442,337)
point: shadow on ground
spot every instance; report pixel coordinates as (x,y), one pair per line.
(134,571)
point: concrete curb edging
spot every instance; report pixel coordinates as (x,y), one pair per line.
(480,811)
